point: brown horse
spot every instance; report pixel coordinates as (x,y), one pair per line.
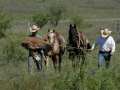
(28,41)
(55,53)
(77,44)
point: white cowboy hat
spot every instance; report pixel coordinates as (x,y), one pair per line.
(105,33)
(34,28)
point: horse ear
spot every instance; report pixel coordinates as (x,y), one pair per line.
(48,30)
(70,25)
(53,30)
(74,25)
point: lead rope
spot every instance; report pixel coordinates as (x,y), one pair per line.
(79,40)
(91,58)
(83,49)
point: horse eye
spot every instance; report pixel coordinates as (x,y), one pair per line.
(48,37)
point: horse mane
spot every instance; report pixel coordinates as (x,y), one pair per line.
(57,33)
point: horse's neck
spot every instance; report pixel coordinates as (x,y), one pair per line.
(56,43)
(56,48)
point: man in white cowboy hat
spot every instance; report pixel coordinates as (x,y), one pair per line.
(31,59)
(106,47)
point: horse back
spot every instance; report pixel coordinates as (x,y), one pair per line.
(61,41)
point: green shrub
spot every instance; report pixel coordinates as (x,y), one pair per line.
(40,19)
(5,22)
(12,49)
(79,20)
(55,13)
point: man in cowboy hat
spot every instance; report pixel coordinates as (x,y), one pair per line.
(106,47)
(31,59)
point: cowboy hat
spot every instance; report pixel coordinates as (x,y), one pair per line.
(105,33)
(34,28)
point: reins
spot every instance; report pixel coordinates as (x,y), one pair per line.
(84,50)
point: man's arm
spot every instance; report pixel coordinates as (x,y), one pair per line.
(112,47)
(95,44)
(33,47)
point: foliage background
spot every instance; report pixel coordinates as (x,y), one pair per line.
(13,62)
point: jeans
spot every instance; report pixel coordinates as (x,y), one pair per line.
(101,57)
(31,62)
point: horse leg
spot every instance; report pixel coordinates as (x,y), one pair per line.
(78,60)
(46,59)
(72,57)
(60,59)
(54,58)
(73,62)
(47,62)
(83,59)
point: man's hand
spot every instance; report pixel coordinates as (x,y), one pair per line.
(111,53)
(33,47)
(91,49)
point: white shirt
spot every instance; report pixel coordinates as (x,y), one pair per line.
(105,44)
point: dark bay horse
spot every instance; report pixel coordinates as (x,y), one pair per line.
(57,50)
(77,44)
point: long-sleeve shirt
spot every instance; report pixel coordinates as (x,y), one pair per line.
(105,44)
(38,36)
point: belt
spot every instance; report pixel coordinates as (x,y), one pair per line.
(104,52)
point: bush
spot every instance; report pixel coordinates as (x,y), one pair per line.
(40,19)
(79,20)
(55,13)
(5,22)
(12,49)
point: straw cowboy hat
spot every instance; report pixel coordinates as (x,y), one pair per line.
(105,33)
(34,28)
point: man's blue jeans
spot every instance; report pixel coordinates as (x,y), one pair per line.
(104,56)
(31,62)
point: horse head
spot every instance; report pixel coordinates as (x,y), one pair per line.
(73,38)
(51,36)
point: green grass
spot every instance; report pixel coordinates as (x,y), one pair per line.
(14,75)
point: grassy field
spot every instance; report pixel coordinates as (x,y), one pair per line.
(13,61)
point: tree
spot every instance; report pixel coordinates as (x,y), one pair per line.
(79,20)
(40,19)
(55,13)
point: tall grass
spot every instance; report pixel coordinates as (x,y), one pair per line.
(13,74)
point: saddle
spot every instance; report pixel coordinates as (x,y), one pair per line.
(83,39)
